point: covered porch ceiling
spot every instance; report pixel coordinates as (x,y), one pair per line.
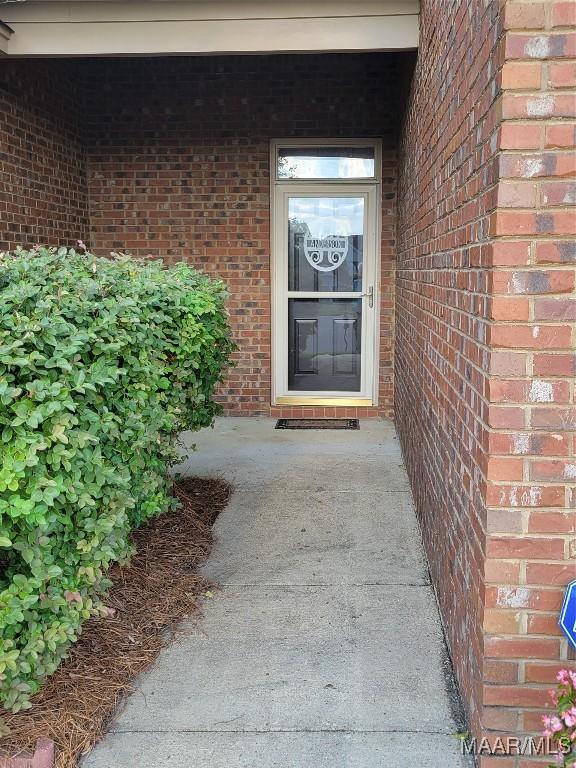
(48,28)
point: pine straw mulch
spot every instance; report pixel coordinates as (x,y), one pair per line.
(150,596)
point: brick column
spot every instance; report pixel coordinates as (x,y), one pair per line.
(530,466)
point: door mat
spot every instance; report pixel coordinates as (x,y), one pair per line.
(317,424)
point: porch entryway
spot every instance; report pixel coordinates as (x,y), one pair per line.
(324,648)
(326,201)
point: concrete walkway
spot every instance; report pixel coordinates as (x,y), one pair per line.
(324,649)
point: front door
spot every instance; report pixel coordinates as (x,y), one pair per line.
(325,238)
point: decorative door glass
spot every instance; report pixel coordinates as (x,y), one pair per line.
(325,243)
(325,255)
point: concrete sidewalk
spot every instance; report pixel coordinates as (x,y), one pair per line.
(324,649)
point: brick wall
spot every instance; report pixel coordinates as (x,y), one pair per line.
(485,342)
(531,466)
(43,196)
(178,159)
(448,175)
(177,165)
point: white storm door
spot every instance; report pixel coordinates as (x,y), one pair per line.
(325,246)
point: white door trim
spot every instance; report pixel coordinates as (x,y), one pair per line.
(281,191)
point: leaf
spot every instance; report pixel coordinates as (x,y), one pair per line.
(102,362)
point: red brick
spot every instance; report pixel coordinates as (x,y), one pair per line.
(502,308)
(543,46)
(443,305)
(514,223)
(523,597)
(528,762)
(43,159)
(495,718)
(544,624)
(555,309)
(519,696)
(499,468)
(516,194)
(507,363)
(546,599)
(543,672)
(497,671)
(561,135)
(515,135)
(558,193)
(542,444)
(529,391)
(537,106)
(552,522)
(510,253)
(502,571)
(530,337)
(550,573)
(525,548)
(561,222)
(521,75)
(536,165)
(525,496)
(524,15)
(526,443)
(506,417)
(556,223)
(564,14)
(556,252)
(487,761)
(554,418)
(521,648)
(553,470)
(531,722)
(501,622)
(562,74)
(44,753)
(533,282)
(554,365)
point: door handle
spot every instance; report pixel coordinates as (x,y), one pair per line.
(370,294)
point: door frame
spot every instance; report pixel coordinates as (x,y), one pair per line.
(281,190)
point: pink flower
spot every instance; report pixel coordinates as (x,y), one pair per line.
(562,677)
(567,677)
(569,717)
(552,725)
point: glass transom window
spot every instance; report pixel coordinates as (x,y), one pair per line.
(326,162)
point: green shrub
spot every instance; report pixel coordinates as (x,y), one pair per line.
(102,361)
